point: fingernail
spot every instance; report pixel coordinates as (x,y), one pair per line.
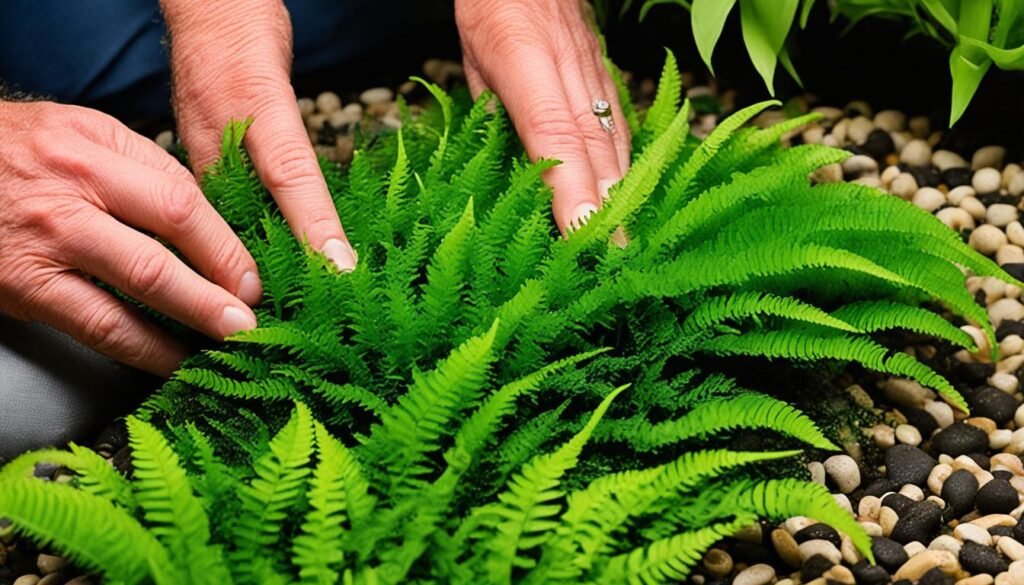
(581,214)
(604,186)
(249,288)
(342,254)
(234,320)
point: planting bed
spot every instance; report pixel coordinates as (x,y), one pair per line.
(940,493)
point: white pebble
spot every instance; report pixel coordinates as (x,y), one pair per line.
(890,173)
(843,502)
(307,107)
(870,506)
(165,140)
(1016,185)
(1015,233)
(946,543)
(1011,345)
(974,207)
(817,472)
(1011,364)
(832,173)
(887,519)
(891,120)
(947,159)
(970,532)
(956,219)
(1010,254)
(912,491)
(914,548)
(859,164)
(813,134)
(988,156)
(941,412)
(884,436)
(903,186)
(938,476)
(328,102)
(1006,382)
(759,574)
(1012,549)
(986,180)
(958,194)
(981,340)
(999,438)
(376,95)
(871,528)
(797,523)
(916,153)
(908,435)
(859,129)
(1001,214)
(929,198)
(1003,309)
(821,547)
(987,239)
(907,392)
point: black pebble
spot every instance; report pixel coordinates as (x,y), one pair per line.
(956,177)
(981,459)
(327,135)
(960,439)
(868,574)
(878,144)
(993,198)
(814,567)
(973,374)
(926,176)
(997,497)
(959,491)
(898,502)
(819,531)
(993,403)
(1009,327)
(46,470)
(906,464)
(920,523)
(1001,531)
(1014,269)
(122,461)
(888,553)
(935,576)
(1018,530)
(113,436)
(880,486)
(1003,474)
(924,422)
(981,559)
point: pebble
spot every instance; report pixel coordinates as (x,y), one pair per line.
(817,472)
(941,412)
(988,156)
(999,439)
(1011,258)
(859,129)
(1006,382)
(899,503)
(1001,214)
(822,548)
(920,126)
(991,520)
(907,464)
(958,194)
(888,553)
(920,564)
(814,567)
(947,159)
(759,574)
(832,173)
(328,102)
(916,153)
(959,491)
(50,563)
(786,547)
(819,531)
(1016,185)
(903,186)
(929,199)
(938,476)
(884,436)
(997,497)
(1005,309)
(956,218)
(947,543)
(960,439)
(1015,233)
(850,553)
(891,120)
(27,580)
(859,164)
(1010,548)
(919,523)
(976,558)
(869,574)
(973,533)
(974,207)
(987,239)
(987,180)
(839,574)
(844,471)
(993,403)
(977,580)
(887,519)
(912,492)
(165,140)
(869,507)
(717,562)
(377,95)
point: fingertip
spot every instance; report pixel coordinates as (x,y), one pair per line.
(581,214)
(604,187)
(250,289)
(235,320)
(341,253)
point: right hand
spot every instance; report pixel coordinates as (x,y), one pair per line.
(79,192)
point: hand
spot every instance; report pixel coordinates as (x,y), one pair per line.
(233,60)
(544,62)
(73,182)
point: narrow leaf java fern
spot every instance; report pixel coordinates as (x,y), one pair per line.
(484,401)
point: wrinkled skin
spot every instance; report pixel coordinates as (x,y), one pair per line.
(543,60)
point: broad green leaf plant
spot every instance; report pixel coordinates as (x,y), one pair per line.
(483,401)
(980,33)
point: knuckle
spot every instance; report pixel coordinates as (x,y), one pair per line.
(294,164)
(231,261)
(105,329)
(179,203)
(146,273)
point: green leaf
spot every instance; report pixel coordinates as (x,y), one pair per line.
(707,18)
(766,24)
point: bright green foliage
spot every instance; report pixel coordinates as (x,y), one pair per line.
(453,409)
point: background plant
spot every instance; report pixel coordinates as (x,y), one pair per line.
(456,409)
(979,33)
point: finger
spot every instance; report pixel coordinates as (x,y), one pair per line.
(72,304)
(176,210)
(284,158)
(474,80)
(143,269)
(532,91)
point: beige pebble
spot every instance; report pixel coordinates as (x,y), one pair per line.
(843,501)
(983,353)
(832,173)
(870,506)
(920,564)
(376,95)
(1011,345)
(759,574)
(316,122)
(813,134)
(908,392)
(52,579)
(307,107)
(717,562)
(982,422)
(817,472)
(884,436)
(982,579)
(786,547)
(750,533)
(1010,172)
(1018,416)
(1010,254)
(974,207)
(851,555)
(991,520)
(987,239)
(1016,185)
(956,219)
(165,140)
(999,439)
(1007,461)
(947,543)
(947,159)
(1017,570)
(887,519)
(1006,382)
(50,563)
(916,153)
(994,289)
(1003,309)
(908,435)
(986,181)
(1013,291)
(27,580)
(912,491)
(83,580)
(1012,549)
(868,180)
(1016,446)
(920,126)
(859,164)
(914,548)
(940,411)
(328,102)
(1011,363)
(1001,214)
(1015,233)
(891,120)
(858,130)
(839,574)
(929,199)
(939,474)
(958,194)
(973,533)
(904,186)
(797,523)
(988,156)
(871,528)
(939,502)
(821,547)
(890,173)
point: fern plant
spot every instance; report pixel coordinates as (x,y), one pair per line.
(456,410)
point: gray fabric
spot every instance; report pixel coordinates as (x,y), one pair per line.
(52,389)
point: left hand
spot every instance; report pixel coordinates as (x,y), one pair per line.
(232,60)
(544,62)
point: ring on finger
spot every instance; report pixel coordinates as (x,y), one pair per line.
(603,110)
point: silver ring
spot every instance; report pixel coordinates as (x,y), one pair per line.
(603,110)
